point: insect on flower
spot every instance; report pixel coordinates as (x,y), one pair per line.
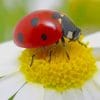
(45,27)
(53,75)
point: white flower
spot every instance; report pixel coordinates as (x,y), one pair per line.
(13,85)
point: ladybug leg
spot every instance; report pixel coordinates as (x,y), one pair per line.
(78,42)
(67,55)
(70,40)
(82,43)
(63,41)
(50,56)
(32,60)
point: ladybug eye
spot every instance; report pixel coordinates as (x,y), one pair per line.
(44,36)
(20,37)
(56,15)
(34,21)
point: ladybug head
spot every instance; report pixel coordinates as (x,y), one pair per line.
(69,29)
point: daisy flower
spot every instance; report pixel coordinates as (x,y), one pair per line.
(52,77)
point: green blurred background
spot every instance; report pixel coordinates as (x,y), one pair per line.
(10,13)
(85,13)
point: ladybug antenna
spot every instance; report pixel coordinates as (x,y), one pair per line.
(32,60)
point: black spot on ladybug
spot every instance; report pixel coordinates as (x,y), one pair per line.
(20,37)
(56,15)
(44,36)
(35,21)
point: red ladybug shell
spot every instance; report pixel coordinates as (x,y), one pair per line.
(38,29)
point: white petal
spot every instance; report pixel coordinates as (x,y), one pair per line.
(96,53)
(52,95)
(97,78)
(93,39)
(9,53)
(30,92)
(98,64)
(75,94)
(9,85)
(93,90)
(86,94)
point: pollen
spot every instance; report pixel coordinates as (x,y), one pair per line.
(60,66)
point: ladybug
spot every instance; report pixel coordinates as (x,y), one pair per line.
(44,27)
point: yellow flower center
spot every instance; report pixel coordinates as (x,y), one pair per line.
(59,67)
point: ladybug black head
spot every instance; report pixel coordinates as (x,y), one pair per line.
(69,29)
